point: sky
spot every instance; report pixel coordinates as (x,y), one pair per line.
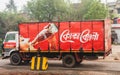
(21,3)
(18,3)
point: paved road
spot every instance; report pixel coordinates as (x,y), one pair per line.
(108,66)
(55,66)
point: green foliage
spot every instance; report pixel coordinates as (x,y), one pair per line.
(47,10)
(96,11)
(11,7)
(9,19)
(59,10)
(84,7)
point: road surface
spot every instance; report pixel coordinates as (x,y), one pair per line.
(108,66)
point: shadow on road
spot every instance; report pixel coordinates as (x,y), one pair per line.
(56,66)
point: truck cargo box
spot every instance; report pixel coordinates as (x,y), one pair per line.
(80,36)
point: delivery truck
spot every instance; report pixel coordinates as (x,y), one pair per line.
(69,41)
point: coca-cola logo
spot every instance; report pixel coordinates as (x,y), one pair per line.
(84,36)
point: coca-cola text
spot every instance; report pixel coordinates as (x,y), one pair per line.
(84,36)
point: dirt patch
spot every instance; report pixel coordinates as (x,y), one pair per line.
(63,73)
(22,73)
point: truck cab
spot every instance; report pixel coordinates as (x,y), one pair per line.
(10,43)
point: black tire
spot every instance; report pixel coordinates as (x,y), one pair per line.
(69,61)
(15,59)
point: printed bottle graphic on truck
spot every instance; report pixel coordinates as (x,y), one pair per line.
(50,35)
(47,33)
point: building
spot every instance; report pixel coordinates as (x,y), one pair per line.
(116,30)
(111,6)
(114,9)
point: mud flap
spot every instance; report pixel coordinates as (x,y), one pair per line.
(39,63)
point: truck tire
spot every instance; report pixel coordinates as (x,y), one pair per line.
(69,61)
(15,59)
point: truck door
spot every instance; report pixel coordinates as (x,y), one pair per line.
(9,43)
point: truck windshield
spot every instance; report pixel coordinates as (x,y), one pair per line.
(10,37)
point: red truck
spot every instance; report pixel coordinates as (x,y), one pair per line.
(69,41)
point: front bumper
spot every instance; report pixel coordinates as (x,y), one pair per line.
(5,55)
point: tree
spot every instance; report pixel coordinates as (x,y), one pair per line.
(46,10)
(96,10)
(64,10)
(3,26)
(9,22)
(11,7)
(83,8)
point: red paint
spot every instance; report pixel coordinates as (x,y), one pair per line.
(71,36)
(9,45)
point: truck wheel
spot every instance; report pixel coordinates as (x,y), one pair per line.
(69,61)
(15,59)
